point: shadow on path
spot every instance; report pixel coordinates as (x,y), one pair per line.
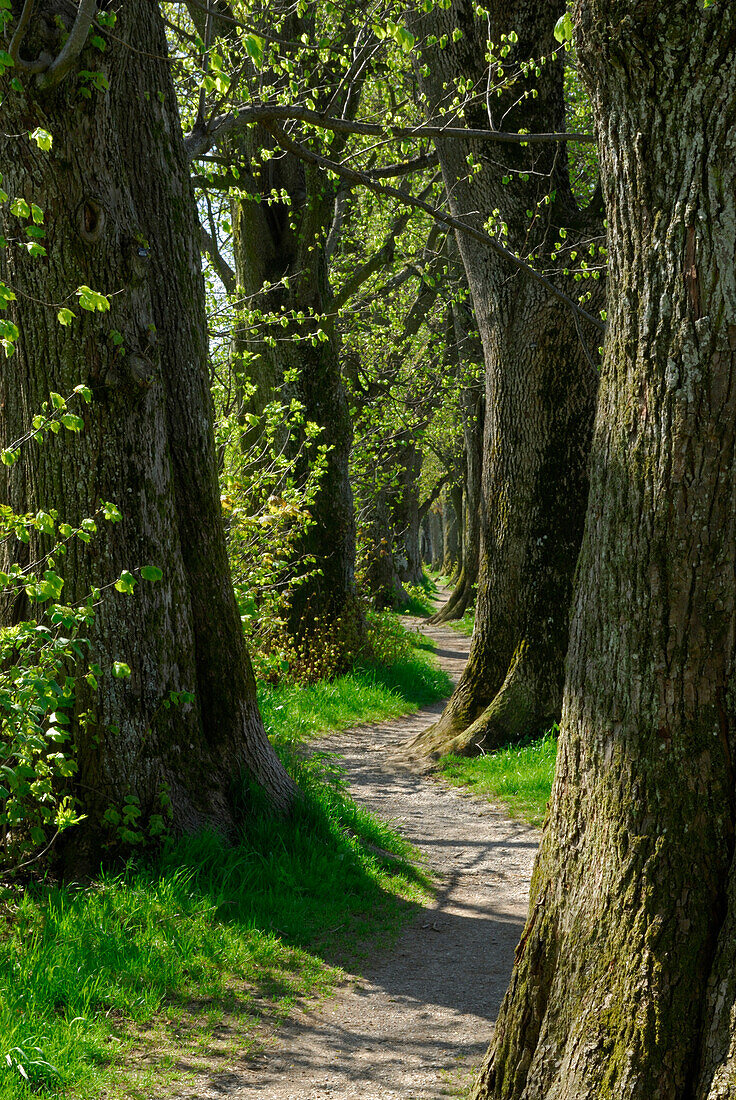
(410,1023)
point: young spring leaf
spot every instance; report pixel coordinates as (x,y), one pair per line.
(151,573)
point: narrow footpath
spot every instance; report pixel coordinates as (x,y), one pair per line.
(415,1020)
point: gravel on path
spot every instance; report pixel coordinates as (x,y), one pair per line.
(410,1022)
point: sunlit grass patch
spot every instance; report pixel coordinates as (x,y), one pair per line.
(368,694)
(153,957)
(118,988)
(519,776)
(465,624)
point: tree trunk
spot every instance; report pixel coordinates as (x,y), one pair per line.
(450,533)
(379,566)
(268,247)
(472,402)
(425,539)
(438,538)
(540,384)
(624,984)
(406,514)
(457,497)
(147,442)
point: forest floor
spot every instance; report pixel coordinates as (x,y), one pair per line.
(412,1020)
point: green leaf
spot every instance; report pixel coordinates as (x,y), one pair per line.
(92,300)
(151,573)
(72,423)
(255,46)
(126,582)
(120,670)
(65,316)
(20,208)
(404,38)
(43,139)
(84,392)
(111,512)
(563,28)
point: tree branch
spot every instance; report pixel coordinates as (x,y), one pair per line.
(220,264)
(383,256)
(203,138)
(72,48)
(309,157)
(20,31)
(424,508)
(426,160)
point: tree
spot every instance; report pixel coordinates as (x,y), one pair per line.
(540,380)
(624,983)
(472,410)
(282,213)
(121,226)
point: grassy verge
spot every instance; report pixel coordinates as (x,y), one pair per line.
(119,988)
(466,624)
(421,596)
(520,777)
(293,712)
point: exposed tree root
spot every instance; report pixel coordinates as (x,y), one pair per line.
(517,710)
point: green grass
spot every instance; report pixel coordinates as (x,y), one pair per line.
(117,988)
(465,624)
(150,959)
(421,596)
(519,776)
(362,695)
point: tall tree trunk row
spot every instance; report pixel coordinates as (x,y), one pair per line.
(624,979)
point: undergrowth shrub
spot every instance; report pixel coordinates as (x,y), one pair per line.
(43,659)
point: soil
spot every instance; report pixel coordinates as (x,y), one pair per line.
(410,1022)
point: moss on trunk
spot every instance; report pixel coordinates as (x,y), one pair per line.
(623,985)
(147,442)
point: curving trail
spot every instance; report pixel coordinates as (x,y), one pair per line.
(412,1022)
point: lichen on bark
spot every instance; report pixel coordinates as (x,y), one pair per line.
(147,442)
(623,981)
(539,384)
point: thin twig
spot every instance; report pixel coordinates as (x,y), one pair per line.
(309,157)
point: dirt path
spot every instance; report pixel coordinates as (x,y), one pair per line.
(416,1019)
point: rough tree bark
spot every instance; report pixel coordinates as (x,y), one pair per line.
(405,511)
(540,384)
(472,403)
(624,983)
(438,538)
(274,240)
(379,564)
(120,218)
(450,532)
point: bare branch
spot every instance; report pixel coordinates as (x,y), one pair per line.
(333,237)
(309,157)
(72,48)
(201,139)
(391,171)
(20,31)
(218,261)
